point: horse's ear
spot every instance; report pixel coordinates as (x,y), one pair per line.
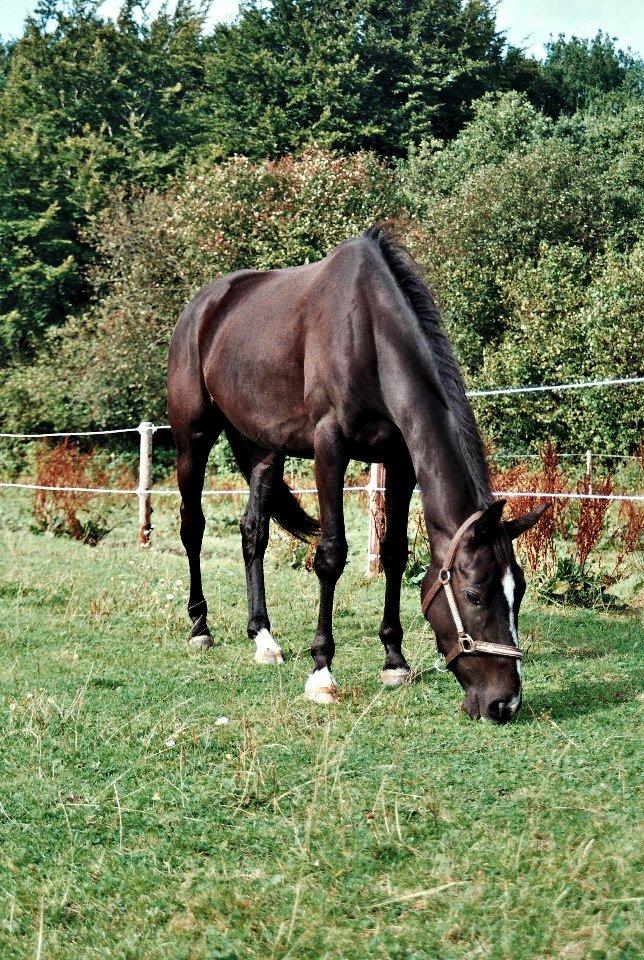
(487,525)
(516,527)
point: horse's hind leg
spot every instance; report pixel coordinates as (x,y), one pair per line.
(266,470)
(193,450)
(399,486)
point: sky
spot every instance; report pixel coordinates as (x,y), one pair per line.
(528,23)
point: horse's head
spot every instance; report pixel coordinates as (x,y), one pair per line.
(472,602)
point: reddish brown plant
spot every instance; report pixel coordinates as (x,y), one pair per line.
(63,465)
(630,537)
(592,514)
(538,544)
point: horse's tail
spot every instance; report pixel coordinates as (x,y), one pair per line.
(285,508)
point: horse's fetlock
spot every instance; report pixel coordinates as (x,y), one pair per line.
(391,635)
(256,625)
(322,650)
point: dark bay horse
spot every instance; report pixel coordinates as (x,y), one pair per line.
(348,358)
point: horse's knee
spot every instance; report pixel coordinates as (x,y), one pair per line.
(330,558)
(193,524)
(393,555)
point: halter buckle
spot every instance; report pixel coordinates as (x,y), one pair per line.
(468,645)
(444,575)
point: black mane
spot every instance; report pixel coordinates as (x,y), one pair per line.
(409,278)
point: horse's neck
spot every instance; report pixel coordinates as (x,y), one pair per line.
(446,487)
(447,501)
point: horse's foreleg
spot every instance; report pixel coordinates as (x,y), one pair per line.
(265,473)
(330,557)
(399,486)
(191,469)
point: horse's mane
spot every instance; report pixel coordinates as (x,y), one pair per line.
(410,280)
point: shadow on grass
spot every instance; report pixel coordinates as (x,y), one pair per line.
(576,700)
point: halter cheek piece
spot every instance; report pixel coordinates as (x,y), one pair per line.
(465,643)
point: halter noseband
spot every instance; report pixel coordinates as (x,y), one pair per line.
(465,643)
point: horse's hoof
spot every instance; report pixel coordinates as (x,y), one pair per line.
(267,650)
(202,642)
(321,687)
(395,676)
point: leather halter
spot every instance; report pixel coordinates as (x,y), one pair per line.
(465,643)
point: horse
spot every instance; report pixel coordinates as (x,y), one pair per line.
(347,357)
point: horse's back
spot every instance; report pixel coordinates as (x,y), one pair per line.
(274,349)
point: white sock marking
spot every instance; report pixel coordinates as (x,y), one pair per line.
(319,678)
(508,589)
(266,649)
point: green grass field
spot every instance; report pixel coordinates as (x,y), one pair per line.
(135,824)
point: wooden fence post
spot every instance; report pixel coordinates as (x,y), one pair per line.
(376,517)
(146,431)
(589,469)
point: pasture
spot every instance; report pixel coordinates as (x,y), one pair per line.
(136,823)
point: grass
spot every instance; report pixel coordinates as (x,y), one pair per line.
(135,823)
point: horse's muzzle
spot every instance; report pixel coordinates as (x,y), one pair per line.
(496,711)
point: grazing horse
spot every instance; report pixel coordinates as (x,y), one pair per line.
(347,358)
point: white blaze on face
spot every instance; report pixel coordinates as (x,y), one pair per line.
(508,589)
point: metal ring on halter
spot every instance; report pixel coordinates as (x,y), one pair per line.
(444,575)
(467,643)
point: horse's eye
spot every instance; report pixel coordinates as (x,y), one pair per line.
(473,597)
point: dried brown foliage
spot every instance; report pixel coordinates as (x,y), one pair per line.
(63,465)
(538,544)
(592,514)
(631,531)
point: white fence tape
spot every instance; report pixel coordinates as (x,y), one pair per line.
(167,492)
(494,392)
(146,430)
(76,433)
(583,385)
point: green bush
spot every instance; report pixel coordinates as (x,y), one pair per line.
(569,319)
(502,124)
(531,233)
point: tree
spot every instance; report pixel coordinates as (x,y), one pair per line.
(353,75)
(156,248)
(85,105)
(501,124)
(577,71)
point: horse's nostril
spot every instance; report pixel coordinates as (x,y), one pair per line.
(503,710)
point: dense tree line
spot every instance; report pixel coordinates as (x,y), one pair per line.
(141,157)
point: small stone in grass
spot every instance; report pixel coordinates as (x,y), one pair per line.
(221,721)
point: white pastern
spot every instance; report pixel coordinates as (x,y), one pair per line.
(202,642)
(267,650)
(321,687)
(395,676)
(508,589)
